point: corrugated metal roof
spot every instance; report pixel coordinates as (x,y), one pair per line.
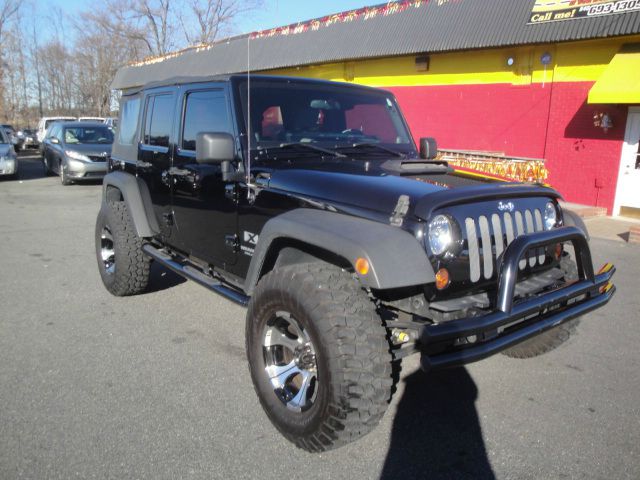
(422,27)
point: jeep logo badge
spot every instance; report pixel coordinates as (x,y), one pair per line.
(506,206)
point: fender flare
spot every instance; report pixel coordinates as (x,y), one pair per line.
(396,258)
(137,198)
(572,219)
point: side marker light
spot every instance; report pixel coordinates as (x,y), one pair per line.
(442,279)
(362,266)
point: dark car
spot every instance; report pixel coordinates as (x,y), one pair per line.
(26,139)
(77,151)
(11,133)
(308,202)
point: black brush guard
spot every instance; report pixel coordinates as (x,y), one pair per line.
(475,338)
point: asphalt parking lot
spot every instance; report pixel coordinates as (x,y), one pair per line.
(157,386)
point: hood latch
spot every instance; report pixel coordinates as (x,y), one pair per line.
(402,207)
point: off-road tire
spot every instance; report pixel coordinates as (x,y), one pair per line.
(130,275)
(352,352)
(551,339)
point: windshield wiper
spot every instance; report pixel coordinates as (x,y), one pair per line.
(307,146)
(375,145)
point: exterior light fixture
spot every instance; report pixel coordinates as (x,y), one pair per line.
(422,63)
(511,61)
(602,120)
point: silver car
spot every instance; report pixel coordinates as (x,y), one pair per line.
(8,158)
(77,150)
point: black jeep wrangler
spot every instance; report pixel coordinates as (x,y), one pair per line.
(308,202)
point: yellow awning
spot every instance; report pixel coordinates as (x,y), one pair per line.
(620,82)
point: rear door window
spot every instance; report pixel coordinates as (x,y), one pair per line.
(130,109)
(158,120)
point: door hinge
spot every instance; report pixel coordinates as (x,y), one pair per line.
(231,192)
(232,242)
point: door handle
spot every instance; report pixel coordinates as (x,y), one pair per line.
(179,172)
(141,164)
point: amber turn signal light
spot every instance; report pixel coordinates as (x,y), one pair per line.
(362,266)
(442,279)
(606,288)
(605,268)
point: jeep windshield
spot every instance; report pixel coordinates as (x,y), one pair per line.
(350,121)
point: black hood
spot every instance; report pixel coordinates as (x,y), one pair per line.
(343,186)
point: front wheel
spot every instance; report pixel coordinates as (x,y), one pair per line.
(45,167)
(123,266)
(318,355)
(64,178)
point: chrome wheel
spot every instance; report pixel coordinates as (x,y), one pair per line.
(290,362)
(107,251)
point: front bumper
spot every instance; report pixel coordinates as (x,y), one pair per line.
(468,340)
(79,170)
(8,166)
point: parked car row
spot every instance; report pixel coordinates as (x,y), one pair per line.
(28,138)
(75,149)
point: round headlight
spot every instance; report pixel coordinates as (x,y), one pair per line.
(550,216)
(440,234)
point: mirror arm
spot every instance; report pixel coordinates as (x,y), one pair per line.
(230,173)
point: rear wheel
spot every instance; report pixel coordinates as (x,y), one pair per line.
(318,355)
(123,267)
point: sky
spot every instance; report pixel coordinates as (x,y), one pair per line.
(284,12)
(274,13)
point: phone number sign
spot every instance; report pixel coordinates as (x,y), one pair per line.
(557,10)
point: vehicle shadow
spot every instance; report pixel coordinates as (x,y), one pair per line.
(162,278)
(436,432)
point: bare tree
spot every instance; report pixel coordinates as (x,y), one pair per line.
(8,9)
(212,18)
(33,52)
(155,15)
(71,74)
(148,24)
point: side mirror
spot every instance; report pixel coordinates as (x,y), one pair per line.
(215,148)
(54,140)
(428,148)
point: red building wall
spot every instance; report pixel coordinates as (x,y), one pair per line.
(550,121)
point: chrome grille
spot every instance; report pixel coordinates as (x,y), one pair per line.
(489,236)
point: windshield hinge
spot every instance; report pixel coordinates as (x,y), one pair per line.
(402,207)
(232,242)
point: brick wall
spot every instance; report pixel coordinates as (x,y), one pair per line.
(551,121)
(584,160)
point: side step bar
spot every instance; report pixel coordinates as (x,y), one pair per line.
(188,271)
